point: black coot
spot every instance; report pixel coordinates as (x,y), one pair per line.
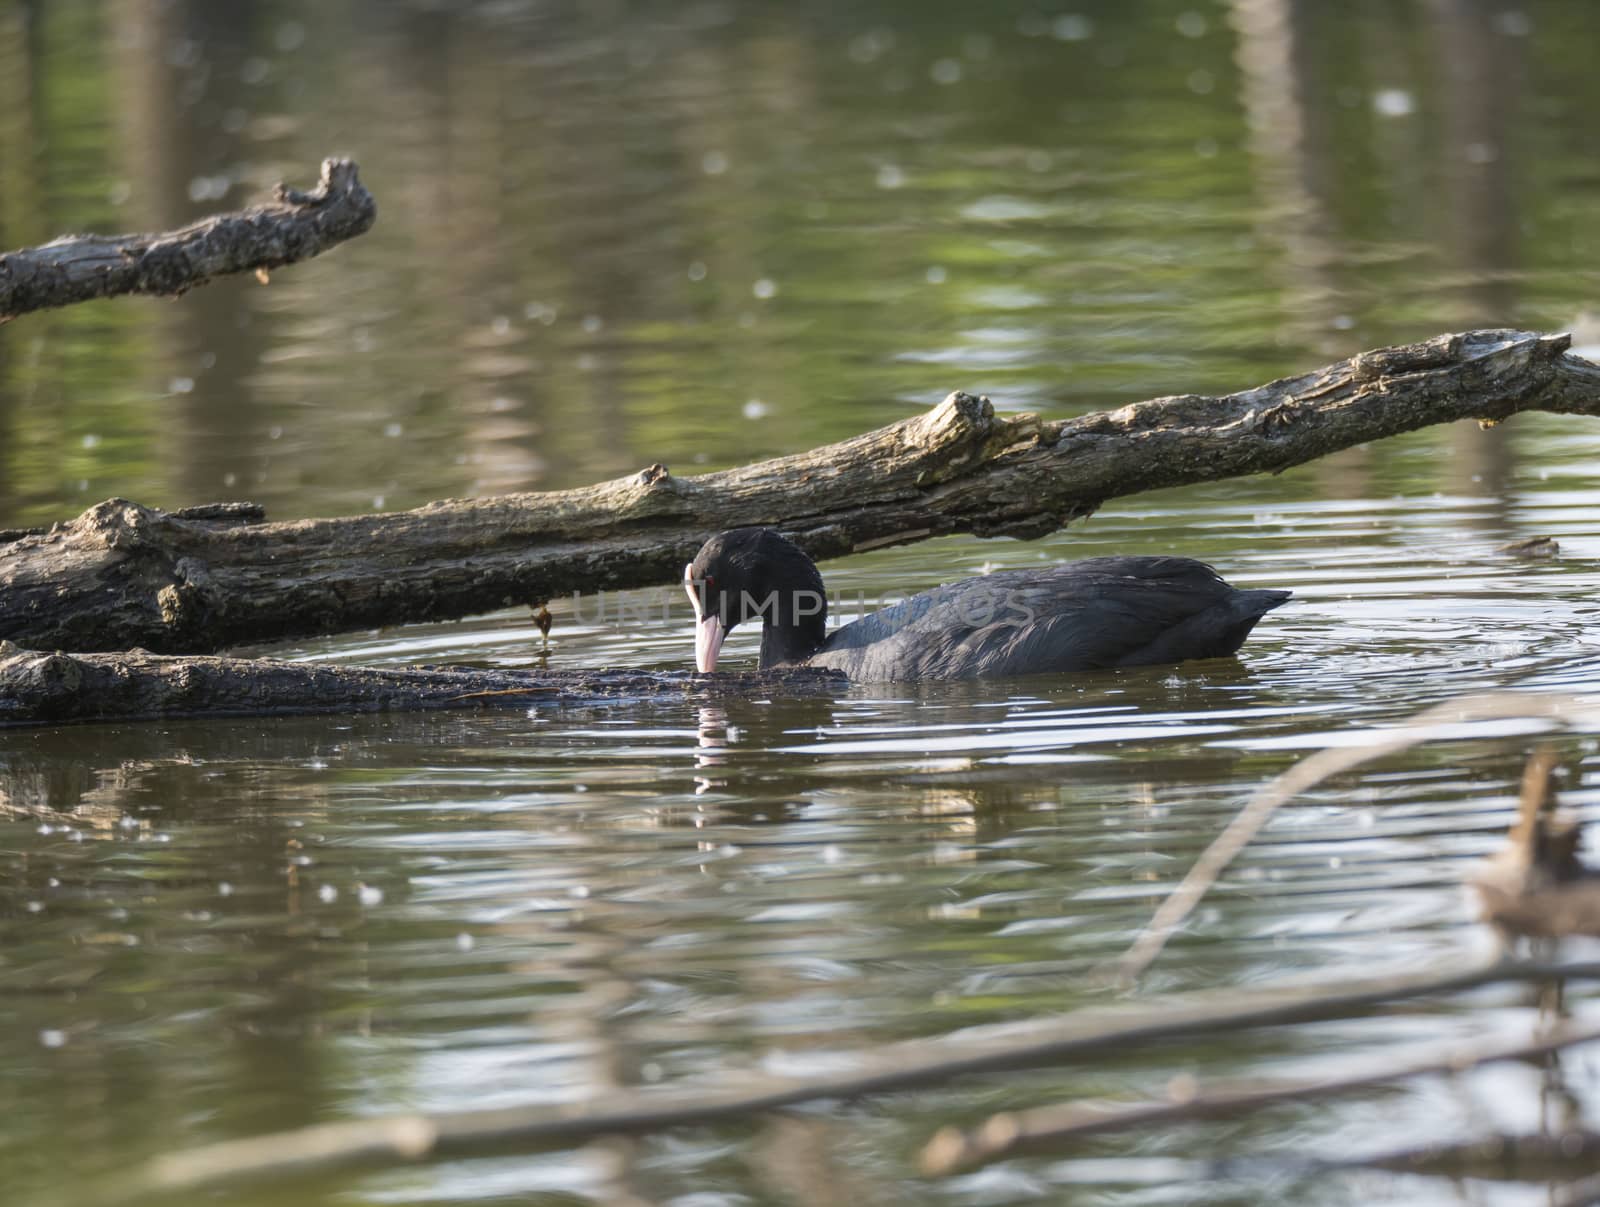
(1086,615)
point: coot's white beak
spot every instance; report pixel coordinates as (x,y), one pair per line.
(708,631)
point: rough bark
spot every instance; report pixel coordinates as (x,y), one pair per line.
(123,575)
(45,689)
(295,226)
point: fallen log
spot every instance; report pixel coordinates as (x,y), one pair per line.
(294,226)
(54,688)
(124,575)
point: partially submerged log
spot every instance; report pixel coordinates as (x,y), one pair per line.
(46,689)
(294,226)
(123,575)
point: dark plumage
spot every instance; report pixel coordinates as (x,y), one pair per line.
(1087,615)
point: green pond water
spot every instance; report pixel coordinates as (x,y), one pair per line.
(618,233)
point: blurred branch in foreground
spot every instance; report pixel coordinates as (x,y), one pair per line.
(294,226)
(1085,1036)
(1053,1128)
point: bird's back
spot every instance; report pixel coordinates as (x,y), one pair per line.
(1086,615)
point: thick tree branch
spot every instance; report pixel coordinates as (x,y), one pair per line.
(48,689)
(295,226)
(122,575)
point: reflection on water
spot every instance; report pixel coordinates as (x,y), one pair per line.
(617,234)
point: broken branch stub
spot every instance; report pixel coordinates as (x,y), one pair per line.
(294,226)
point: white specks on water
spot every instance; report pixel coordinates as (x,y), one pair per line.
(224,889)
(1000,207)
(765,288)
(697,270)
(52,1038)
(592,323)
(1072,27)
(946,71)
(1513,23)
(392,430)
(579,891)
(181,385)
(714,163)
(1393,102)
(868,47)
(328,894)
(1192,24)
(538,312)
(35,907)
(754,409)
(91,441)
(369,894)
(209,188)
(936,274)
(465,942)
(291,35)
(891,176)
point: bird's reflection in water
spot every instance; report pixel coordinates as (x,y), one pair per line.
(715,736)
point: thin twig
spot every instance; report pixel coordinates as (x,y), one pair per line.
(1050,1128)
(1426,726)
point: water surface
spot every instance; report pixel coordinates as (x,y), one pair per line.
(625,233)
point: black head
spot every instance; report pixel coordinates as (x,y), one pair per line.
(755,574)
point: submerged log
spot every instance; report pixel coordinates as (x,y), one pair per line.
(294,226)
(123,575)
(46,689)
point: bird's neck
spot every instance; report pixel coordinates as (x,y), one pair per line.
(791,644)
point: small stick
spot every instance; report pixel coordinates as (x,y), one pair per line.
(1306,774)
